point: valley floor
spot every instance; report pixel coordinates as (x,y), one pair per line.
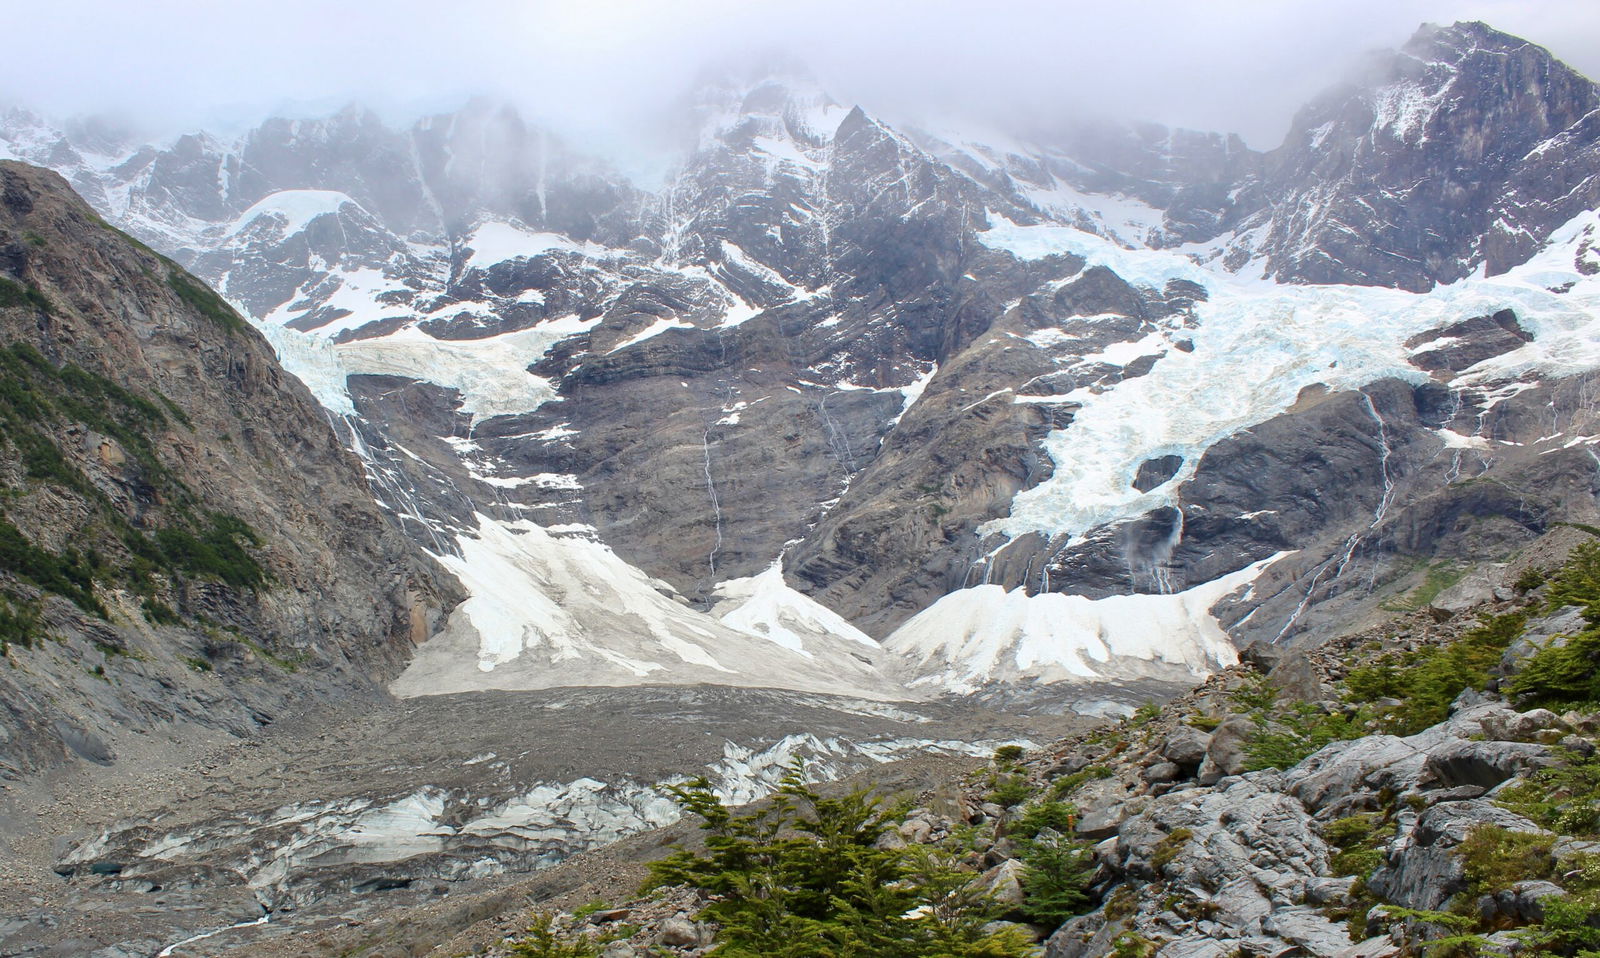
(328,820)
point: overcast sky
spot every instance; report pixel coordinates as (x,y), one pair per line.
(595,68)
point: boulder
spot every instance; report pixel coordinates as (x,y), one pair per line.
(917,831)
(1186,747)
(1262,656)
(1360,765)
(1225,753)
(1104,806)
(678,932)
(1161,772)
(1004,882)
(1330,891)
(1506,725)
(1297,679)
(1541,632)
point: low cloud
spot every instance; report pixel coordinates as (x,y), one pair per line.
(598,69)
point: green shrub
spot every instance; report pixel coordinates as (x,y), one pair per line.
(1561,677)
(19,625)
(1144,715)
(1494,858)
(15,294)
(1428,680)
(1571,926)
(1359,840)
(802,875)
(1009,790)
(1577,582)
(1564,797)
(1039,816)
(159,612)
(542,941)
(68,574)
(1055,879)
(1130,944)
(1529,579)
(1254,695)
(1285,736)
(1168,849)
(1067,784)
(1007,756)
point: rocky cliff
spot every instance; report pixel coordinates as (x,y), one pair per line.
(183,541)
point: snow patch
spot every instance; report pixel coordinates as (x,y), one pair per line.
(491,374)
(765,605)
(295,208)
(975,637)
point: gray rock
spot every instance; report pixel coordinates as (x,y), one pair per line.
(1566,848)
(1346,768)
(889,841)
(1296,679)
(917,831)
(1161,772)
(1087,936)
(1522,903)
(1185,747)
(1315,934)
(1460,793)
(1541,632)
(1329,891)
(1262,656)
(1485,764)
(1225,753)
(1004,882)
(1192,947)
(1382,947)
(1104,807)
(678,932)
(1577,743)
(1421,870)
(1475,588)
(1506,725)
(618,949)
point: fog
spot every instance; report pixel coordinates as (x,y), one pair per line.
(598,69)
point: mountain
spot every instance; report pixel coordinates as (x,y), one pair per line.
(913,368)
(514,487)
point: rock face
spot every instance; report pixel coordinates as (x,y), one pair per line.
(1419,168)
(185,538)
(915,369)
